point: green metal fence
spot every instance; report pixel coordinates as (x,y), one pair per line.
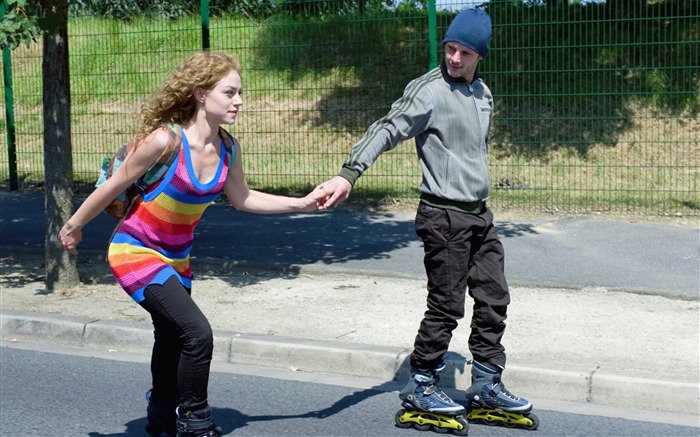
(596,105)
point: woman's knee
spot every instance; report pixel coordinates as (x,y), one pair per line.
(199,337)
(205,334)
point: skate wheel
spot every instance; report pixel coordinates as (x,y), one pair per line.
(399,422)
(465,423)
(159,430)
(439,430)
(151,430)
(490,422)
(422,426)
(535,422)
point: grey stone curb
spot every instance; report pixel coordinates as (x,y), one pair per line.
(377,362)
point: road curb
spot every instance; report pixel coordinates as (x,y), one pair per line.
(378,362)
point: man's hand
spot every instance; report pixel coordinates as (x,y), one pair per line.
(336,190)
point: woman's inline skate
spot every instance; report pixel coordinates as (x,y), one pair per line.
(426,406)
(489,401)
(160,416)
(196,424)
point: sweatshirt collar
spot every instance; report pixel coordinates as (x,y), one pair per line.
(448,78)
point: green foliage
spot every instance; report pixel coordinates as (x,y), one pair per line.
(129,9)
(251,9)
(263,9)
(411,7)
(18,25)
(337,8)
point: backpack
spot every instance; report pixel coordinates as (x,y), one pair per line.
(120,206)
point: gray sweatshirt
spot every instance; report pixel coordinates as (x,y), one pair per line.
(449,119)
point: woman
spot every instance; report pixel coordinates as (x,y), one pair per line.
(149,252)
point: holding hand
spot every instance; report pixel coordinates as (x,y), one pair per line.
(314,200)
(335,191)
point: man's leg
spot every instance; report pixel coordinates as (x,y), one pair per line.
(446,258)
(489,289)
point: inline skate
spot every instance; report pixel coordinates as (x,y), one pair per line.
(196,424)
(160,417)
(489,401)
(426,406)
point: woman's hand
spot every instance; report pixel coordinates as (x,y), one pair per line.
(313,200)
(70,237)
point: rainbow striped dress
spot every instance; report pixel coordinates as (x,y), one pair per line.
(154,241)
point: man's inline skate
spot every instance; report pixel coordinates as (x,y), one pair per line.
(426,406)
(489,401)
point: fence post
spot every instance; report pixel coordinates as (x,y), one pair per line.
(9,109)
(432,33)
(204,14)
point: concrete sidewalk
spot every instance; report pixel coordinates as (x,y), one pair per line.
(608,348)
(351,300)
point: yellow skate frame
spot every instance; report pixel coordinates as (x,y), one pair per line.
(424,420)
(491,416)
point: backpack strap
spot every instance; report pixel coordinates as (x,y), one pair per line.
(162,164)
(230,143)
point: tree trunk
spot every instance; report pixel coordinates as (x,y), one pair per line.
(61,267)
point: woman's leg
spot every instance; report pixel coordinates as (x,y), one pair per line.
(183,345)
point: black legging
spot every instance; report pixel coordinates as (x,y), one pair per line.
(182,349)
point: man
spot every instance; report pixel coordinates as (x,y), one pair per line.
(448,112)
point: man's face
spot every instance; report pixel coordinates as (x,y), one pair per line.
(461,60)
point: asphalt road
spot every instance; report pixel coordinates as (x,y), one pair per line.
(569,252)
(46,393)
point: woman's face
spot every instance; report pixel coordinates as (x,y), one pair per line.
(223,102)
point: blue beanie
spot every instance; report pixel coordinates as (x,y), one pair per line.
(472,28)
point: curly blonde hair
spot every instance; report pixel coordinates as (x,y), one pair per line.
(174,102)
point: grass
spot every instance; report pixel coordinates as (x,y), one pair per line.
(589,116)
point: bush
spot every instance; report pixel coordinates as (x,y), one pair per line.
(127,9)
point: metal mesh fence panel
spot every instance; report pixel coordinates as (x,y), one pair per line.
(313,82)
(114,66)
(596,105)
